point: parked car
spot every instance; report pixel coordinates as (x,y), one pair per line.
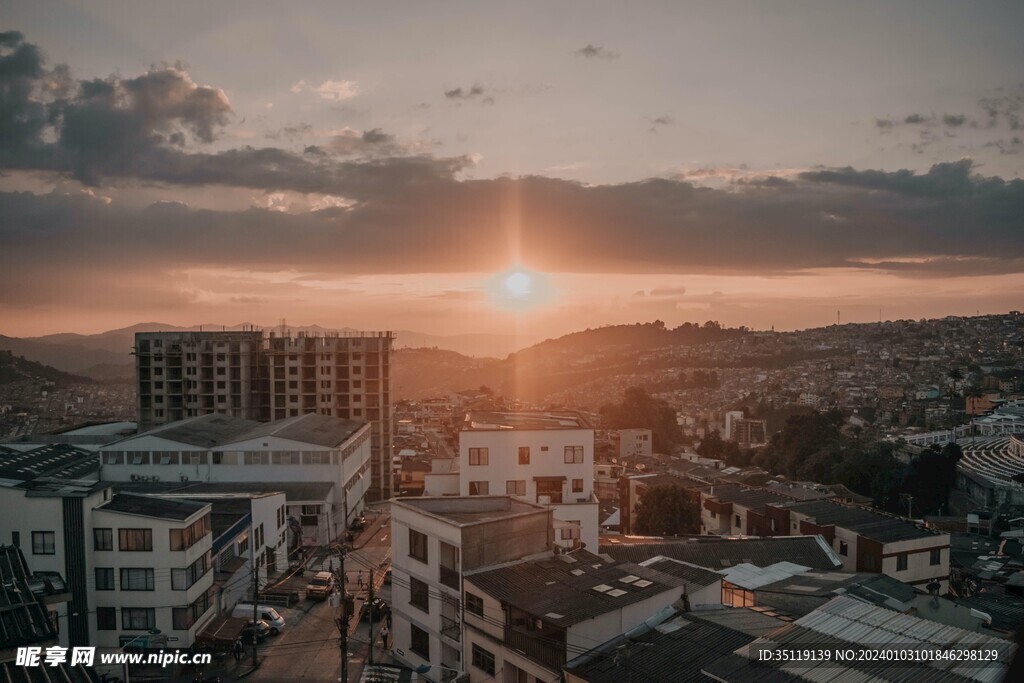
(261,628)
(378,607)
(265,613)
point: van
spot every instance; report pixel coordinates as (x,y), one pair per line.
(265,612)
(321,586)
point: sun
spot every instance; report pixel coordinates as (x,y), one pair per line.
(519,289)
(518,284)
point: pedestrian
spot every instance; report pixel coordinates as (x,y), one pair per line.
(384,634)
(236,650)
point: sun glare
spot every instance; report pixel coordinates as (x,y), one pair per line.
(519,289)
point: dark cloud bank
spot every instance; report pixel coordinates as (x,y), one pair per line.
(415,214)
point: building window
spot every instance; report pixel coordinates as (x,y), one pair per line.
(103,539)
(106,618)
(571,532)
(477,456)
(16,539)
(138,618)
(43,543)
(135,539)
(419,641)
(136,579)
(104,578)
(524,455)
(901,562)
(243,546)
(573,455)
(419,594)
(418,546)
(843,548)
(577,486)
(739,522)
(183,579)
(483,660)
(515,487)
(478,488)
(183,539)
(474,604)
(935,557)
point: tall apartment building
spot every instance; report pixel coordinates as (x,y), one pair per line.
(256,377)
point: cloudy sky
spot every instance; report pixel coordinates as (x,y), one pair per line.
(525,168)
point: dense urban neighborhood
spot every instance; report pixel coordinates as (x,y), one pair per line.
(685,484)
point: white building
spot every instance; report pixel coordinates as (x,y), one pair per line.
(525,620)
(219,448)
(436,540)
(635,443)
(546,458)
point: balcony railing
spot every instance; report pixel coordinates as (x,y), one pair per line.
(535,648)
(450,628)
(450,577)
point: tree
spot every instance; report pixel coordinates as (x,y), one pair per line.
(667,510)
(639,410)
(712,445)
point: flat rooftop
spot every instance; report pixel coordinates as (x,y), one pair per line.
(463,510)
(213,430)
(809,551)
(874,525)
(481,420)
(152,506)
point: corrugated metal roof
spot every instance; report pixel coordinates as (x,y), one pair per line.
(809,551)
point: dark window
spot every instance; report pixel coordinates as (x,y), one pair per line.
(524,455)
(419,594)
(419,641)
(515,487)
(479,488)
(136,579)
(103,539)
(478,456)
(573,454)
(135,539)
(43,543)
(138,618)
(183,579)
(577,486)
(418,546)
(483,660)
(106,618)
(843,548)
(935,557)
(739,522)
(104,578)
(16,539)
(474,604)
(901,562)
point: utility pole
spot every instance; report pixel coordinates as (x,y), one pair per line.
(342,621)
(255,592)
(370,658)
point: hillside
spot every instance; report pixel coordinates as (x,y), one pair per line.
(15,369)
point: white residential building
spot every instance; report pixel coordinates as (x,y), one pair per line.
(544,457)
(436,540)
(636,443)
(222,449)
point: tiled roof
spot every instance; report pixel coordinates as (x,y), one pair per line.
(690,573)
(873,525)
(23,618)
(569,589)
(810,551)
(673,651)
(53,460)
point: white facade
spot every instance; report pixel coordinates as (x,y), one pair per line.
(434,541)
(545,466)
(636,443)
(263,458)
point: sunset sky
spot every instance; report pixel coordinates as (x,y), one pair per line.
(391,165)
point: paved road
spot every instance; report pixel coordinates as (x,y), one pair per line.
(308,650)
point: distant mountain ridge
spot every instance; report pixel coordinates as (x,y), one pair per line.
(107,355)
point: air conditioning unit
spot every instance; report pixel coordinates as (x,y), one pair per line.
(544,500)
(184,478)
(135,477)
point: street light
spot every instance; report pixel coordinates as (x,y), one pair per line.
(150,632)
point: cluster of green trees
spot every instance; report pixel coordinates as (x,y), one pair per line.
(667,510)
(640,410)
(815,447)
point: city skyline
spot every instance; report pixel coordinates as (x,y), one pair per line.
(526,171)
